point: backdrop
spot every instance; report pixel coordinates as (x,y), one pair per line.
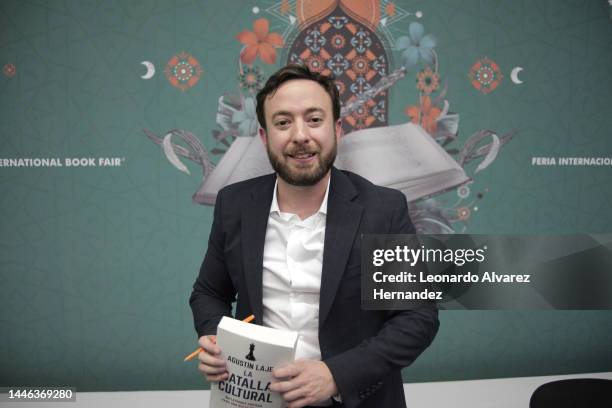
(113,113)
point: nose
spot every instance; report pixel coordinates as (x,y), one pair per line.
(301,133)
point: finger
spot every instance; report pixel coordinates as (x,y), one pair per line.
(208,343)
(283,386)
(302,402)
(206,369)
(295,395)
(217,377)
(288,371)
(209,359)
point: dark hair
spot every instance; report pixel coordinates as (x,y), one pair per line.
(295,71)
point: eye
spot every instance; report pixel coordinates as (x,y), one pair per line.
(282,123)
(316,120)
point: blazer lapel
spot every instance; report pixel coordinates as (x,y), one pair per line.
(254,222)
(342,223)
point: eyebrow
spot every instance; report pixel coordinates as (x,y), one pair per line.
(306,112)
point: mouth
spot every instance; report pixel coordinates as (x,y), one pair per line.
(302,156)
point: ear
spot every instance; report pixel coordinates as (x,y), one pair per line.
(263,135)
(338,129)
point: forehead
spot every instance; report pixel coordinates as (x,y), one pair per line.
(297,95)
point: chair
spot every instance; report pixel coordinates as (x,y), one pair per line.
(573,393)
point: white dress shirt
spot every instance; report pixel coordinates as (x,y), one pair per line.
(292,265)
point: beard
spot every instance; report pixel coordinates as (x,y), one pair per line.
(303,176)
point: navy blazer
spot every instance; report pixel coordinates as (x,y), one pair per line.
(365,350)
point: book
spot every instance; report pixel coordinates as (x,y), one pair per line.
(251,352)
(246,158)
(403,157)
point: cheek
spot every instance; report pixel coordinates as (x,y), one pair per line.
(324,138)
(276,145)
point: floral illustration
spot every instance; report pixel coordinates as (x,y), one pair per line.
(259,42)
(342,44)
(251,79)
(424,115)
(485,75)
(183,71)
(427,81)
(417,47)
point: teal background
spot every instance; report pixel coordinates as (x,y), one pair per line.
(96,264)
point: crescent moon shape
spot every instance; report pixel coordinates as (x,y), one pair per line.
(150,70)
(514,75)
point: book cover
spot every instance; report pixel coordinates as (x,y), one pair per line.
(251,352)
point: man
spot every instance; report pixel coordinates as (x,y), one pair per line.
(288,245)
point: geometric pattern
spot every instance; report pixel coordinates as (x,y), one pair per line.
(183,71)
(339,45)
(485,75)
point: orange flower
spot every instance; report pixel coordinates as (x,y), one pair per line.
(426,113)
(427,81)
(259,42)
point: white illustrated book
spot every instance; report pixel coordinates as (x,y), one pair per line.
(251,352)
(403,157)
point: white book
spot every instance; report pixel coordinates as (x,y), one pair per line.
(403,157)
(246,158)
(251,352)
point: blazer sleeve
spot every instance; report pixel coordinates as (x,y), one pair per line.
(360,371)
(213,292)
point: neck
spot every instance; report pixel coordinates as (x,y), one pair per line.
(303,201)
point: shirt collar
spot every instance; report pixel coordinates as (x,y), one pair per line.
(274,208)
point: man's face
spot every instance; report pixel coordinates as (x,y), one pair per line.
(301,136)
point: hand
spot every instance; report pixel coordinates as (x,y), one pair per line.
(304,382)
(211,365)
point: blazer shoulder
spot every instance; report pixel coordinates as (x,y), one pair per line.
(234,198)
